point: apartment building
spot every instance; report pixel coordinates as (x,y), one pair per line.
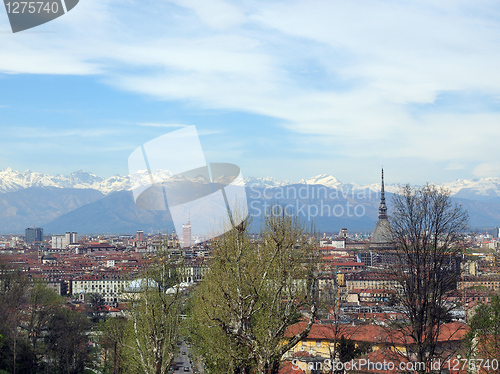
(369,280)
(110,286)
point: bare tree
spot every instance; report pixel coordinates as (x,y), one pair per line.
(428,231)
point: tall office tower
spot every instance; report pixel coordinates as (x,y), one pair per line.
(496,232)
(139,235)
(33,234)
(186,234)
(71,238)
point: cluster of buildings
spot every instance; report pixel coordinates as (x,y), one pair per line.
(352,273)
(353,280)
(75,266)
(362,295)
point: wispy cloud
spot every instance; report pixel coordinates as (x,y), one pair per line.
(201,132)
(455,166)
(361,80)
(54,134)
(166,125)
(216,14)
(487,169)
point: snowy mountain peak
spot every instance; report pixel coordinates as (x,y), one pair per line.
(323,179)
(13,180)
(265,182)
(483,187)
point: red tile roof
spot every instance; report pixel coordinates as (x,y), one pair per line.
(288,368)
(374,334)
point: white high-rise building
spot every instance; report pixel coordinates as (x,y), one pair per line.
(59,242)
(71,238)
(63,241)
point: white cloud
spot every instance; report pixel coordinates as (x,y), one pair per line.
(487,169)
(455,166)
(167,125)
(54,134)
(397,48)
(216,14)
(26,59)
(360,78)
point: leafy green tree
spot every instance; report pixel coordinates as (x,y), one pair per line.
(483,339)
(14,295)
(112,340)
(43,303)
(252,293)
(221,353)
(348,350)
(154,317)
(67,342)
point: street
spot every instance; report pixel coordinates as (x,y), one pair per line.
(183,361)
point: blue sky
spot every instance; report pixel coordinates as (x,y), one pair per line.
(289,89)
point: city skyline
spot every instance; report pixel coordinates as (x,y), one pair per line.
(289,90)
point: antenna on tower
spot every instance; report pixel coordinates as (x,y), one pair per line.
(382,210)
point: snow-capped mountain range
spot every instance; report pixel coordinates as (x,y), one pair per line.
(12,180)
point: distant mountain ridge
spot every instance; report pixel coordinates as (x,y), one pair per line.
(87,210)
(35,206)
(330,211)
(11,180)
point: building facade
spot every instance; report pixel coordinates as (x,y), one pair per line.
(33,234)
(110,286)
(71,238)
(59,241)
(186,234)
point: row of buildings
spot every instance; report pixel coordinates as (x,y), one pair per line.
(352,280)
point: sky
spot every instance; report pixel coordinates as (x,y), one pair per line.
(289,89)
